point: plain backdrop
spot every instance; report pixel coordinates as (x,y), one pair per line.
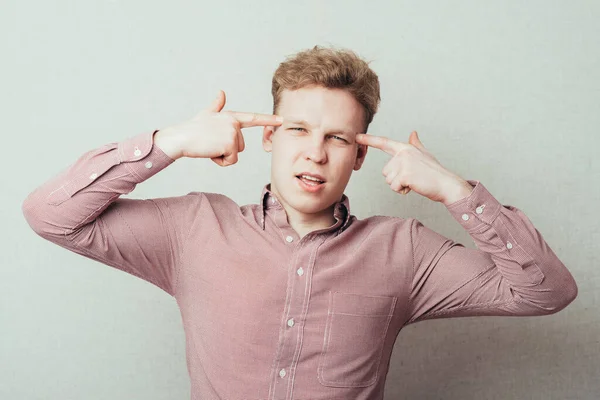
(505,92)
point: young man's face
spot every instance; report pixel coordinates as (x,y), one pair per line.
(316,138)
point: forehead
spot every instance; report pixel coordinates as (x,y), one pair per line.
(329,108)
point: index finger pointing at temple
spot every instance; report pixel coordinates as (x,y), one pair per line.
(379,142)
(253,119)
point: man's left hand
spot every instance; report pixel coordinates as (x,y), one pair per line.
(413,167)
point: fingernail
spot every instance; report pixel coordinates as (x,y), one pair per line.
(278,118)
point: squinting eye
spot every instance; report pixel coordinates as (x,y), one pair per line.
(337,137)
(296,129)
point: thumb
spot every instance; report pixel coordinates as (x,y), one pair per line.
(415,141)
(218,103)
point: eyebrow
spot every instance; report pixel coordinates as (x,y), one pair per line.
(304,123)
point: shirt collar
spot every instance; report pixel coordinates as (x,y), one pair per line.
(341,210)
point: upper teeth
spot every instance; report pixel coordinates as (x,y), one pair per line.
(311,178)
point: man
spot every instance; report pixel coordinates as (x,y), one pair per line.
(294,297)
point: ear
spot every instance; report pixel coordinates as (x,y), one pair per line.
(267,140)
(361,153)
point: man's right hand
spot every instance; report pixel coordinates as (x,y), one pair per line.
(213,134)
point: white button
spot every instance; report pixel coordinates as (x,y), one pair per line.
(148,165)
(300,271)
(273,200)
(282,373)
(291,322)
(465,217)
(479,209)
(137,152)
(289,239)
(93,176)
(509,245)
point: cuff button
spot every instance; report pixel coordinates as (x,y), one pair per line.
(137,152)
(465,217)
(148,165)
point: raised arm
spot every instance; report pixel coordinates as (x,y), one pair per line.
(513,271)
(80,208)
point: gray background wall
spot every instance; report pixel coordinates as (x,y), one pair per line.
(506,92)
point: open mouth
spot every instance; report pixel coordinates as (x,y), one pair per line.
(310,180)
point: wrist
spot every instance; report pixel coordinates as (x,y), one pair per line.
(169,143)
(457,190)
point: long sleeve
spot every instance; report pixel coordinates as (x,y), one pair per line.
(513,271)
(80,210)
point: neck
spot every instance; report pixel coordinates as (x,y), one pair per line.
(306,223)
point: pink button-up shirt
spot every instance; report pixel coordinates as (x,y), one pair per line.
(270,315)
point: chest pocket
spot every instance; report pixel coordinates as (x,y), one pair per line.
(354,337)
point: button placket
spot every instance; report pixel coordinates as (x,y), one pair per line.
(297,300)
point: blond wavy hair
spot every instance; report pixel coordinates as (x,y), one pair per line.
(330,68)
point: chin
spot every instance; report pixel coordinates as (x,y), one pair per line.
(313,205)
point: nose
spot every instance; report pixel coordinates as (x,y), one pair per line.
(316,151)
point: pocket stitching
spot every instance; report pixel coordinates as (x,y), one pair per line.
(327,341)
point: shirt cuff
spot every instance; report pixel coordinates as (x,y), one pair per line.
(141,157)
(479,208)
